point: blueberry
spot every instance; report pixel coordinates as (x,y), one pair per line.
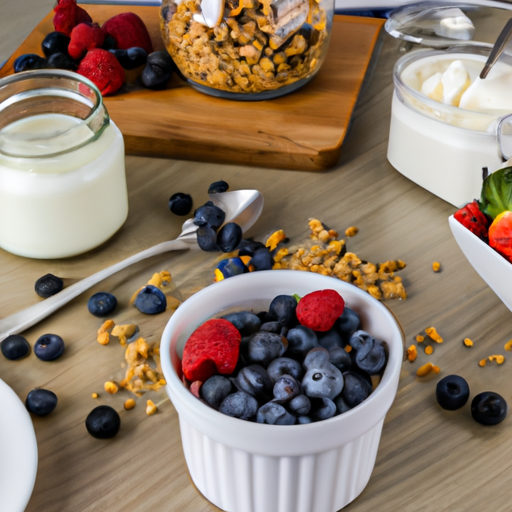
(48,285)
(322,408)
(230,267)
(49,347)
(452,392)
(264,347)
(300,341)
(61,61)
(317,357)
(348,323)
(207,239)
(41,401)
(209,215)
(217,187)
(262,259)
(340,358)
(103,422)
(283,308)
(304,420)
(274,414)
(29,61)
(285,388)
(180,203)
(101,304)
(374,361)
(249,247)
(300,405)
(276,327)
(55,42)
(285,366)
(324,382)
(215,389)
(254,379)
(15,347)
(151,300)
(158,70)
(356,389)
(246,322)
(341,405)
(330,339)
(109,43)
(363,342)
(239,405)
(131,58)
(229,236)
(489,408)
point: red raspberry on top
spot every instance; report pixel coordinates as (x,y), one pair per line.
(67,15)
(319,310)
(85,36)
(103,69)
(128,30)
(212,348)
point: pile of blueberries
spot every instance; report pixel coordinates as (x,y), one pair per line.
(289,374)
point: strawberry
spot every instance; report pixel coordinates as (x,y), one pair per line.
(128,30)
(67,15)
(84,37)
(212,348)
(103,69)
(473,219)
(319,310)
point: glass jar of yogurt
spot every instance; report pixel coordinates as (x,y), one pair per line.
(247,49)
(62,170)
(448,126)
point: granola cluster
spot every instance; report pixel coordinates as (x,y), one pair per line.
(258,46)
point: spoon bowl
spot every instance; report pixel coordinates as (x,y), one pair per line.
(241,206)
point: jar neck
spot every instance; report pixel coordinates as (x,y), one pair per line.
(46,113)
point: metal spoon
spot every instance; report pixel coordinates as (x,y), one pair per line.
(498,48)
(241,206)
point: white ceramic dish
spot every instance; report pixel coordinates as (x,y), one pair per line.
(493,268)
(242,466)
(18,452)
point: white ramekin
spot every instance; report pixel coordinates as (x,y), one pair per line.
(242,466)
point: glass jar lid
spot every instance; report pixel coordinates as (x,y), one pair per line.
(441,24)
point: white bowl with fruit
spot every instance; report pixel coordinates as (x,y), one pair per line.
(483,230)
(319,465)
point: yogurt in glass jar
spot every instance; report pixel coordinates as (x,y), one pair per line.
(62,171)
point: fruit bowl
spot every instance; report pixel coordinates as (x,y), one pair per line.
(493,268)
(244,466)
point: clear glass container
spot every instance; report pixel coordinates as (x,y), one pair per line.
(62,170)
(247,49)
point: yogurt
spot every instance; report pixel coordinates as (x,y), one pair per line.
(62,184)
(444,120)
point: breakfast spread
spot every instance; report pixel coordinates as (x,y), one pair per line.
(303,360)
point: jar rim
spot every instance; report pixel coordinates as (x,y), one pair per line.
(96,120)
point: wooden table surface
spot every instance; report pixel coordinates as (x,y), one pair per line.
(428,460)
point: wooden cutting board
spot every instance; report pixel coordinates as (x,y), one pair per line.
(303,130)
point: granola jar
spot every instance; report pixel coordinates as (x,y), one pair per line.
(247,49)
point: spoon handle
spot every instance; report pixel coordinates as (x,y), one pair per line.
(25,318)
(498,48)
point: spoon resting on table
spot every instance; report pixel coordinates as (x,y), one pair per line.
(241,206)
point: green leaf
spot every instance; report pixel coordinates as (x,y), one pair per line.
(496,194)
(297,297)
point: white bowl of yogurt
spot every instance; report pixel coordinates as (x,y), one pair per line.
(446,122)
(251,467)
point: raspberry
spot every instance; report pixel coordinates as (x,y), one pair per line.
(67,15)
(319,310)
(212,348)
(103,69)
(473,219)
(84,37)
(128,30)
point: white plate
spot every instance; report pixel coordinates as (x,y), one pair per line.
(18,452)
